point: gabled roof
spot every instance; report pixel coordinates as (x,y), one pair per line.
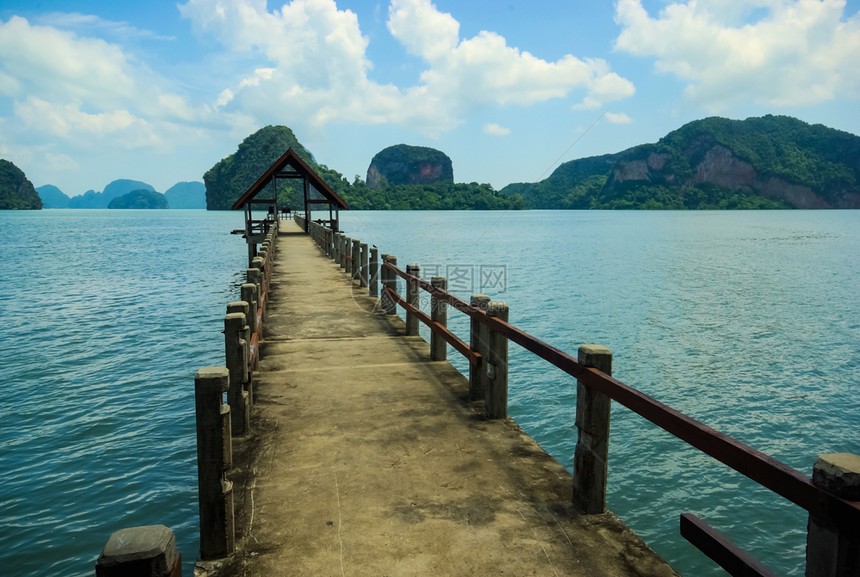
(301,167)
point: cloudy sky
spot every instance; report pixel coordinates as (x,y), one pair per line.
(158,91)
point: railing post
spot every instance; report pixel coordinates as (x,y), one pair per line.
(592,447)
(833,550)
(148,550)
(347,255)
(341,240)
(373,273)
(479,342)
(362,279)
(438,314)
(249,295)
(496,394)
(412,298)
(245,338)
(356,259)
(389,280)
(237,365)
(214,458)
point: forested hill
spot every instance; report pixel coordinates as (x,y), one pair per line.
(228,179)
(16,191)
(714,163)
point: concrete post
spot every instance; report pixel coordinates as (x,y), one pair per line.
(438,314)
(592,447)
(237,365)
(362,279)
(347,255)
(833,550)
(247,378)
(479,342)
(249,295)
(373,273)
(356,259)
(389,279)
(340,253)
(149,551)
(214,458)
(259,263)
(412,298)
(496,393)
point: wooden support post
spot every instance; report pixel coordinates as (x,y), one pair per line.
(148,550)
(389,279)
(237,365)
(438,314)
(214,458)
(479,342)
(356,260)
(496,394)
(373,273)
(412,298)
(362,279)
(592,447)
(341,241)
(833,550)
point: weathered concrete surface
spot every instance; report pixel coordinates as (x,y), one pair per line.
(368,459)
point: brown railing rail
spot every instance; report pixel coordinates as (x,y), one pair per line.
(767,471)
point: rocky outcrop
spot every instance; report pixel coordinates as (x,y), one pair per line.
(404,164)
(16,192)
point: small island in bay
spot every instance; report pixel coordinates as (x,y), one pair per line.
(141,198)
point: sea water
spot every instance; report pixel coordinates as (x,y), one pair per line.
(747,321)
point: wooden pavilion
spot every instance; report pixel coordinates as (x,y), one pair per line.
(315,192)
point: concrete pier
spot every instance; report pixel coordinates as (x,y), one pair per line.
(367,458)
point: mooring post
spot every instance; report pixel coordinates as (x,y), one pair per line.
(356,259)
(214,459)
(389,280)
(591,457)
(412,299)
(373,273)
(438,314)
(496,394)
(149,550)
(237,365)
(362,279)
(833,550)
(479,342)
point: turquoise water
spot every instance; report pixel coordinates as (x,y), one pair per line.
(750,322)
(747,321)
(106,315)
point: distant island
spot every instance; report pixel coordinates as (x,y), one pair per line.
(771,162)
(180,195)
(715,163)
(142,198)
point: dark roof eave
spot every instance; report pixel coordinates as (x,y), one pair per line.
(290,157)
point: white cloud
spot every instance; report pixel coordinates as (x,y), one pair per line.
(495,130)
(792,52)
(618,118)
(319,66)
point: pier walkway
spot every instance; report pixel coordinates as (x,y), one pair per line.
(367,458)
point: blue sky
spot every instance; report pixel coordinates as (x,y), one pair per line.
(160,91)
